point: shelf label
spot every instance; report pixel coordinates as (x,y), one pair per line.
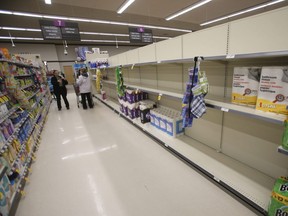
(224,109)
(216,179)
(230,56)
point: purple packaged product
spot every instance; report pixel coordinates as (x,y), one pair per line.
(130,97)
(137,112)
(131,113)
(145,116)
(145,96)
(121,108)
(126,111)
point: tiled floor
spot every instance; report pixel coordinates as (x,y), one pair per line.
(93,163)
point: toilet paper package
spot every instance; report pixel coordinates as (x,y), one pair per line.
(279,199)
(245,85)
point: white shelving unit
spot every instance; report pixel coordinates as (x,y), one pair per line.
(243,155)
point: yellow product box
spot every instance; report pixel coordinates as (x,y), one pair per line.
(245,85)
(273,90)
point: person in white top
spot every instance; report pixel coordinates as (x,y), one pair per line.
(84,84)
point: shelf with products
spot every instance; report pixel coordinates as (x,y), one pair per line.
(19,191)
(3,171)
(26,86)
(219,103)
(9,113)
(18,63)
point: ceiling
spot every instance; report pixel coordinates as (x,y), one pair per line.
(141,12)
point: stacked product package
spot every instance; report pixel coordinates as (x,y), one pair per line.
(129,102)
(279,200)
(167,120)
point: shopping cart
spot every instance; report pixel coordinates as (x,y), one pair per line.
(77,92)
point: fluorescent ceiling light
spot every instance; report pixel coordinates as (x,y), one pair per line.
(192,7)
(124,6)
(48,2)
(242,12)
(55,17)
(159,37)
(20,38)
(105,41)
(92,21)
(27,14)
(5,12)
(20,29)
(105,34)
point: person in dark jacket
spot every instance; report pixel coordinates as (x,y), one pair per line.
(59,85)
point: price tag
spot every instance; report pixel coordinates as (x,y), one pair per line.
(230,56)
(224,109)
(159,97)
(216,179)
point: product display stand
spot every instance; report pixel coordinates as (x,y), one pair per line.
(28,115)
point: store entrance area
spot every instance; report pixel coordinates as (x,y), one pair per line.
(92,162)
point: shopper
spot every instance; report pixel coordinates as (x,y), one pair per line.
(59,86)
(84,84)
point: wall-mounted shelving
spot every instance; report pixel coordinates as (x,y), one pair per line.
(220,104)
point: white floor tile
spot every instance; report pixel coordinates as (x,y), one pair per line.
(92,162)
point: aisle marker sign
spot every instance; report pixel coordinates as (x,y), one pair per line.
(59,30)
(140,35)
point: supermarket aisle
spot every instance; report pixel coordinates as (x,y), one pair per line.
(94,163)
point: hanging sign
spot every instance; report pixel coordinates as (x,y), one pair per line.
(140,35)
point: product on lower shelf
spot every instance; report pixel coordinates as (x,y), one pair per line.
(167,120)
(279,200)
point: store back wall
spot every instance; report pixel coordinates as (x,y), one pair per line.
(50,52)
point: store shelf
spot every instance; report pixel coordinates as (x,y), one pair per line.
(18,63)
(33,95)
(24,75)
(27,86)
(223,105)
(243,181)
(15,133)
(3,94)
(3,171)
(220,103)
(7,115)
(282,150)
